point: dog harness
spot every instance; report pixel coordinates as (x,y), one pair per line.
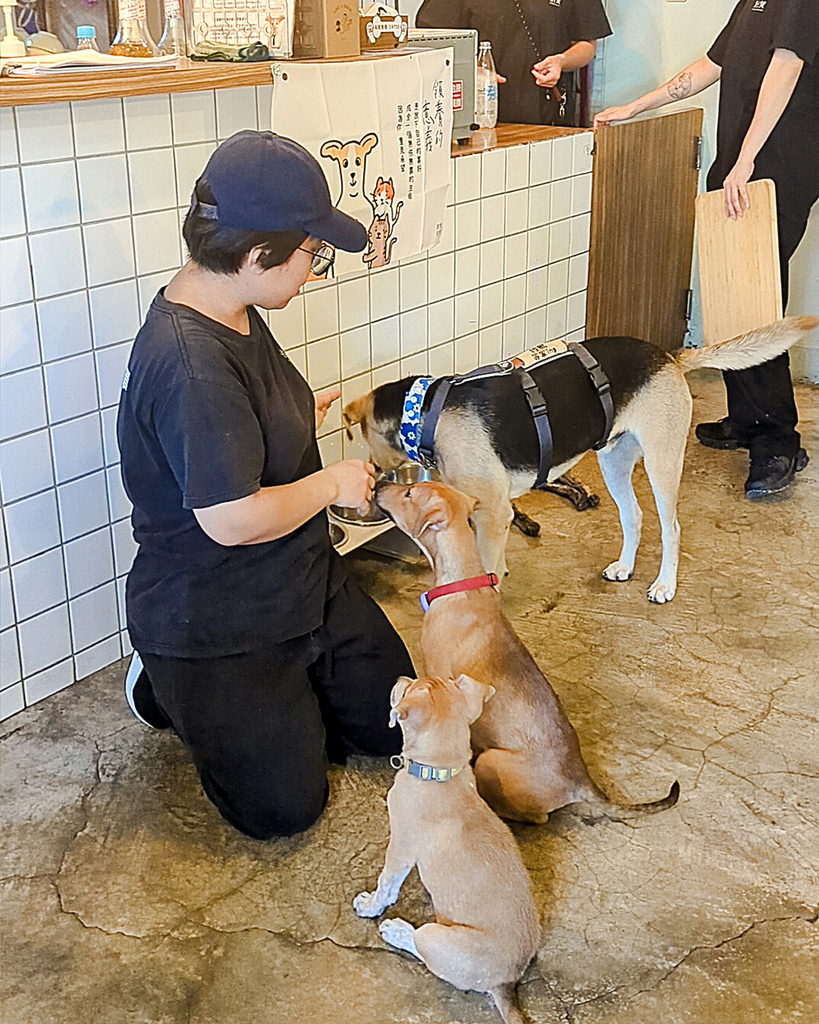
(417,431)
(473,583)
(424,771)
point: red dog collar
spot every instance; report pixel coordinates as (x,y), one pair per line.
(473,583)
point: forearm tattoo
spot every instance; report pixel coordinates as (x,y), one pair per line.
(680,86)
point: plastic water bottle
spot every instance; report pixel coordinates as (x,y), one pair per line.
(86,37)
(486,88)
(173,39)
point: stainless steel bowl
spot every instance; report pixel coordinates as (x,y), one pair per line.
(372,517)
(410,473)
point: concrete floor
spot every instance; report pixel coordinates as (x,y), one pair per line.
(127,899)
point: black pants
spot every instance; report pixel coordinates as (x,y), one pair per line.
(761,405)
(261,726)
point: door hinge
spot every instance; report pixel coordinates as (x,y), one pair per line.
(698,152)
(689,302)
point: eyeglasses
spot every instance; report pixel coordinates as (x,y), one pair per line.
(323,258)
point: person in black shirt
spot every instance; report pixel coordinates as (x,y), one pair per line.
(767,62)
(536,44)
(250,641)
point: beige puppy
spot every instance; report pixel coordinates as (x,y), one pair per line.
(528,755)
(486,926)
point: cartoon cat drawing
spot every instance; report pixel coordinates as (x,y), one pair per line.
(379,251)
(385,217)
(382,199)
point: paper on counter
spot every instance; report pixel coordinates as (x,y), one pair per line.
(82,60)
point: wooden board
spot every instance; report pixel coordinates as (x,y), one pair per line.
(642,228)
(739,263)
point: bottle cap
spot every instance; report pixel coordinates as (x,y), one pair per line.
(86,32)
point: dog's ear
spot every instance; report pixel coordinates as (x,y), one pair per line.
(356,412)
(472,503)
(332,148)
(435,509)
(396,696)
(475,693)
(367,143)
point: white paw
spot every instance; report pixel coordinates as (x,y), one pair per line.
(618,572)
(399,933)
(366,904)
(661,593)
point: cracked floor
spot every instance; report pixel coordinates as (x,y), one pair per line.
(126,899)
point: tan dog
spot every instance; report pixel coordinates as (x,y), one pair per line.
(486,926)
(528,755)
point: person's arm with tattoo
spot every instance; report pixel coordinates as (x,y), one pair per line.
(688,82)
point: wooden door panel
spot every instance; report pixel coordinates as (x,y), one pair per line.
(642,228)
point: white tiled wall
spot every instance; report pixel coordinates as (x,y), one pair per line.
(92,198)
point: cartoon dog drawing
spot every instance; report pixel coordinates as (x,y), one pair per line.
(351,158)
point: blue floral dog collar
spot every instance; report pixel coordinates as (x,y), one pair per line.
(410,430)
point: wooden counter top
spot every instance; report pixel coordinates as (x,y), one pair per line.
(105,84)
(506,135)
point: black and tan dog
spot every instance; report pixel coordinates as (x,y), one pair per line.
(486,443)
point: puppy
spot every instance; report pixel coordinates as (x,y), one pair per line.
(486,443)
(528,756)
(486,926)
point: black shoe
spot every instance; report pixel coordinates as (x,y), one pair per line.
(719,435)
(140,697)
(773,473)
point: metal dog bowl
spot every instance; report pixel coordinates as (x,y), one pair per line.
(374,516)
(410,473)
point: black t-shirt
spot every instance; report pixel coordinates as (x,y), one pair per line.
(554,25)
(743,50)
(208,415)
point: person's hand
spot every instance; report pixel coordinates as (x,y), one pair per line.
(323,403)
(613,115)
(735,188)
(354,480)
(500,78)
(548,71)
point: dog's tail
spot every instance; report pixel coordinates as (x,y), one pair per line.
(506,1002)
(597,805)
(748,349)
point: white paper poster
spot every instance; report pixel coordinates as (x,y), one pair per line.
(381,129)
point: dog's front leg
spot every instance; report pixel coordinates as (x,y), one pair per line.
(492,523)
(396,868)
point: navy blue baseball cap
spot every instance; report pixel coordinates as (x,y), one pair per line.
(264,182)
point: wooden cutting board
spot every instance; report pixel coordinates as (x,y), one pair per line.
(739,263)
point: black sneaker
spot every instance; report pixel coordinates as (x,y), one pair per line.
(140,697)
(719,435)
(773,473)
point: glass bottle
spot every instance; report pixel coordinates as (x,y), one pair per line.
(486,88)
(173,39)
(132,38)
(86,37)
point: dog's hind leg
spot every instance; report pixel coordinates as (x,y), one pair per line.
(617,461)
(504,781)
(664,466)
